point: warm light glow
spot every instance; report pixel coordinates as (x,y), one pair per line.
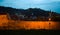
(37,24)
(49,19)
(3,20)
(27,24)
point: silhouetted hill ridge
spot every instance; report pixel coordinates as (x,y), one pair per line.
(14,10)
(28,12)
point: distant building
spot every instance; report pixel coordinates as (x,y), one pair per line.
(21,16)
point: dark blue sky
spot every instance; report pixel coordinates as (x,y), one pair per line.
(53,5)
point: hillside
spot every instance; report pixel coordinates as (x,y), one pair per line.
(29,14)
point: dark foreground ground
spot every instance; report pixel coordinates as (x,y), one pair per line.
(30,32)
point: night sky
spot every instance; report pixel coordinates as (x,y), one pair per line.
(53,5)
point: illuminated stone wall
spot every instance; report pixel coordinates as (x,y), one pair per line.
(15,25)
(38,25)
(3,20)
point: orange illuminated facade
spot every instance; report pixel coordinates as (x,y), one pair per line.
(3,19)
(26,24)
(38,25)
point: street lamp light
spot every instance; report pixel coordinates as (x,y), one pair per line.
(50,18)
